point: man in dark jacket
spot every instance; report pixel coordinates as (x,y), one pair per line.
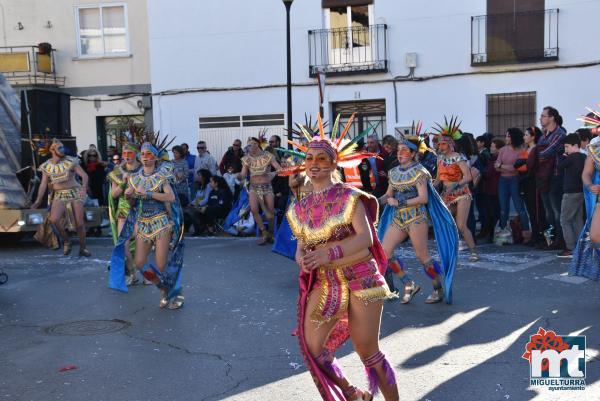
(390,145)
(483,157)
(548,177)
(377,165)
(232,157)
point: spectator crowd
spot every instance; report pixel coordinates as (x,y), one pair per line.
(526,185)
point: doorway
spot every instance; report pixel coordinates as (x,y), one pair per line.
(369,114)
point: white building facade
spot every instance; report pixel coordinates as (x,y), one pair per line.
(95,51)
(218,68)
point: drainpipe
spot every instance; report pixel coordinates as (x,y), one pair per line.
(3,25)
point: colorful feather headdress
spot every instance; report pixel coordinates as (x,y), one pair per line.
(341,149)
(312,129)
(416,128)
(592,119)
(42,143)
(262,139)
(43,146)
(449,131)
(414,140)
(415,143)
(158,145)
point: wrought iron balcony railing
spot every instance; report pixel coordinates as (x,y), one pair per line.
(345,51)
(29,66)
(520,37)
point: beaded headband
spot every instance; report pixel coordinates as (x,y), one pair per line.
(325,145)
(409,144)
(147,146)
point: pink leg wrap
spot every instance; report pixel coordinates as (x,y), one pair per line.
(329,364)
(370,364)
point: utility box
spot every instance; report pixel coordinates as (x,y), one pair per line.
(411,60)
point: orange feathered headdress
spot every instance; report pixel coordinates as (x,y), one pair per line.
(341,149)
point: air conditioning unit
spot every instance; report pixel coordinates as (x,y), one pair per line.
(400,131)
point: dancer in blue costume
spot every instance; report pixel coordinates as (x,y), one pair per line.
(156,221)
(118,204)
(411,202)
(586,255)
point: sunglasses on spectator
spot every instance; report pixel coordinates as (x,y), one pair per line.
(201,147)
(116,159)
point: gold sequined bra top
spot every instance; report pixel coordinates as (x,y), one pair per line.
(58,172)
(152,183)
(258,165)
(116,175)
(324,216)
(401,179)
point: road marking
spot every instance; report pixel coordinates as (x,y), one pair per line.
(509,263)
(565,278)
(512,262)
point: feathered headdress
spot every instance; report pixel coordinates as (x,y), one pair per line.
(131,139)
(592,119)
(415,129)
(340,148)
(42,143)
(449,131)
(414,140)
(415,143)
(43,146)
(158,145)
(262,139)
(312,129)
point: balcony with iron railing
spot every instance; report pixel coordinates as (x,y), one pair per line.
(346,51)
(30,65)
(519,37)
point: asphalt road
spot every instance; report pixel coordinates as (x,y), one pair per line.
(65,336)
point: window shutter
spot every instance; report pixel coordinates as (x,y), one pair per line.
(344,3)
(506,110)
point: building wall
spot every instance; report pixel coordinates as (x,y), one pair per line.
(226,45)
(86,79)
(84,116)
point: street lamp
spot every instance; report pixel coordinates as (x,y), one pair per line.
(288,5)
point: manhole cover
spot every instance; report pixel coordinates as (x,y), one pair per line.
(87,327)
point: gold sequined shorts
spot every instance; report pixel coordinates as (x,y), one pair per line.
(361,279)
(407,216)
(261,190)
(150,229)
(69,195)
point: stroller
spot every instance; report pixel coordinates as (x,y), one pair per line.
(3,277)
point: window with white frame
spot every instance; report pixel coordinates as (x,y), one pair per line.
(102,30)
(351,32)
